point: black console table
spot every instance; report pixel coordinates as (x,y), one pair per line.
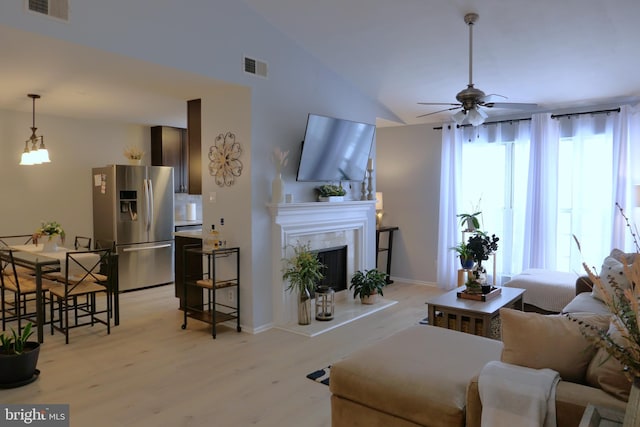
(389,230)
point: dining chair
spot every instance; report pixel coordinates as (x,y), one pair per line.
(20,306)
(82,242)
(86,273)
(18,239)
(105,244)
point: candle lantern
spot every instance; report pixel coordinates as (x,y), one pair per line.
(325,303)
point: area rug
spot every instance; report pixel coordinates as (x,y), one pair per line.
(321,375)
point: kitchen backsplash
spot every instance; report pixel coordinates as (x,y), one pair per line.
(181,200)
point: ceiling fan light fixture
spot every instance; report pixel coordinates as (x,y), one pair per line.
(459,117)
(476,116)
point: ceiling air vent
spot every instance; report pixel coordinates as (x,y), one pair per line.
(255,67)
(55,8)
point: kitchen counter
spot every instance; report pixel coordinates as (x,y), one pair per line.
(184,225)
(184,222)
(193,234)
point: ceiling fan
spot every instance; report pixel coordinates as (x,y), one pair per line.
(472,100)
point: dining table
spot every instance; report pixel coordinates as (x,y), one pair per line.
(33,257)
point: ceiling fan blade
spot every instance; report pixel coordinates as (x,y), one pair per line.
(511,105)
(439,103)
(492,97)
(436,112)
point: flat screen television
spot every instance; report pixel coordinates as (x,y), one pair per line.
(335,149)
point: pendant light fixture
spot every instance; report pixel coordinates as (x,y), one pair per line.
(34,154)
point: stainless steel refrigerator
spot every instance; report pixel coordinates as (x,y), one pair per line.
(133,207)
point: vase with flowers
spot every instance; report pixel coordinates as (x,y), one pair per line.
(277,185)
(134,154)
(480,246)
(48,234)
(621,341)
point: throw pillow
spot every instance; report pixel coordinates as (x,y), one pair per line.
(625,257)
(612,272)
(606,373)
(548,341)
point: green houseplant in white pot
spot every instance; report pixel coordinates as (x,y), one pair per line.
(303,271)
(18,358)
(331,193)
(367,285)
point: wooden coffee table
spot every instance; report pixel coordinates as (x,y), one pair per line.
(475,317)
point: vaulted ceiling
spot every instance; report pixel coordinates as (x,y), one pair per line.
(554,53)
(557,54)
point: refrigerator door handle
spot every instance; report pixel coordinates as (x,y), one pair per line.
(146,203)
(146,248)
(151,202)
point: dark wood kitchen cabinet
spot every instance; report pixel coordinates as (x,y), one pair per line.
(169,148)
(194,137)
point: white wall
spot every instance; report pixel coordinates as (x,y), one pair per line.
(408,175)
(61,190)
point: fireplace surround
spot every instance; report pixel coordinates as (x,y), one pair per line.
(322,225)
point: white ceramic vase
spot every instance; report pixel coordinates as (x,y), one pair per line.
(277,189)
(50,245)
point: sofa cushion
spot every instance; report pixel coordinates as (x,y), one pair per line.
(548,341)
(612,272)
(586,303)
(419,374)
(546,289)
(607,373)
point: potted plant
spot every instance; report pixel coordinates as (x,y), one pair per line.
(466,257)
(481,246)
(367,284)
(49,230)
(470,221)
(331,193)
(18,358)
(303,271)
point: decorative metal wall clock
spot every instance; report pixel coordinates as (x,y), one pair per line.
(225,165)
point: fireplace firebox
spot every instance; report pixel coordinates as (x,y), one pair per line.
(335,272)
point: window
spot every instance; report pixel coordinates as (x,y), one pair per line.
(498,188)
(585,200)
(494,180)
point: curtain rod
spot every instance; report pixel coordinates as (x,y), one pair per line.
(487,123)
(553,116)
(613,110)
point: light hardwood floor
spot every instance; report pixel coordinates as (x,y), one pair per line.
(150,372)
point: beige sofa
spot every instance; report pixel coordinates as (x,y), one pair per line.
(428,376)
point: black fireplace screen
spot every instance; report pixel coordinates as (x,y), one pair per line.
(335,273)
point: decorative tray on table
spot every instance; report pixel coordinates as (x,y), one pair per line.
(480,297)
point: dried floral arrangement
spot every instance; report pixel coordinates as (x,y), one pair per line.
(280,158)
(133,153)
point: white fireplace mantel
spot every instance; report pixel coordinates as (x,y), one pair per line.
(323,225)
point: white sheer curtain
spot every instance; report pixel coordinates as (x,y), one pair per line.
(626,128)
(541,207)
(448,230)
(494,175)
